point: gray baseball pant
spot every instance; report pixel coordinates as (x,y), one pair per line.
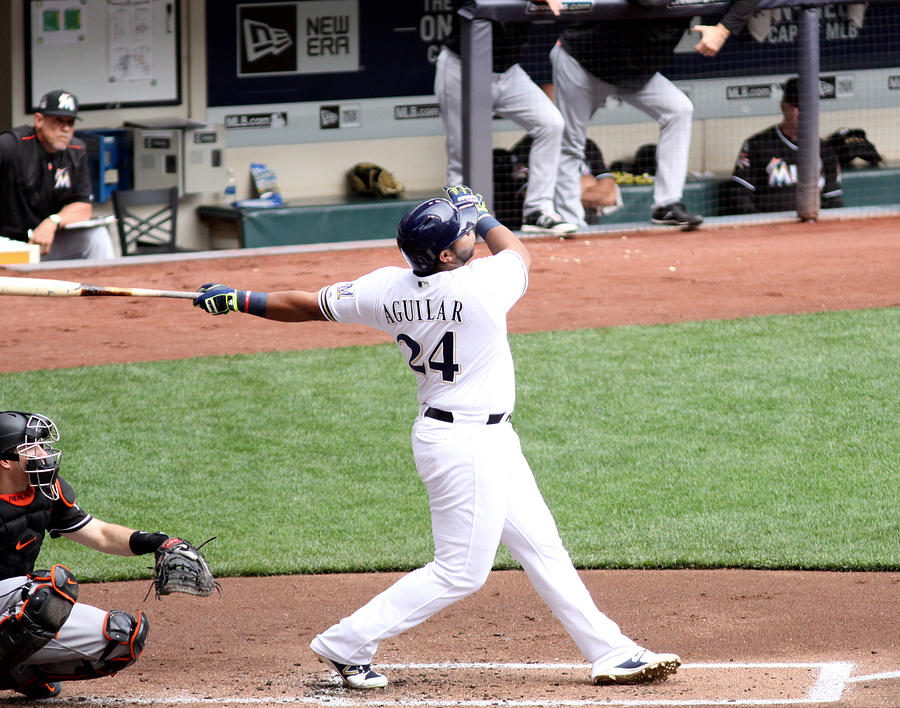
(80,641)
(91,243)
(578,96)
(517,98)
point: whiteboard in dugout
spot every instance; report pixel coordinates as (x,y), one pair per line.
(109,53)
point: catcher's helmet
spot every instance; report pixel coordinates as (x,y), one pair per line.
(429,228)
(31,436)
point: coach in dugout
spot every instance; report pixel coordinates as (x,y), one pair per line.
(45,185)
(765,173)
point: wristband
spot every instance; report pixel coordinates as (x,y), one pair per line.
(252,303)
(142,542)
(485,224)
(56,219)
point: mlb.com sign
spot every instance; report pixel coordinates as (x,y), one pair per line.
(300,37)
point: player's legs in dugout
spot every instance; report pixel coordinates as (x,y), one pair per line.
(578,96)
(522,101)
(673,111)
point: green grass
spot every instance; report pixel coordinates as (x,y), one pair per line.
(762,443)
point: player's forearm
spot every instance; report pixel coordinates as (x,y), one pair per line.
(293,306)
(104,537)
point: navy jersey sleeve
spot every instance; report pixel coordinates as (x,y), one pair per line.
(738,15)
(65,515)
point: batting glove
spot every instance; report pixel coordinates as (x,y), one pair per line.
(460,193)
(217,299)
(462,196)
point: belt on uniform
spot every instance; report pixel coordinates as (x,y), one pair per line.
(447,416)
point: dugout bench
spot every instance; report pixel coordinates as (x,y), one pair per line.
(353,218)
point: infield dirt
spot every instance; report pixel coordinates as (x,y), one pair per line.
(250,644)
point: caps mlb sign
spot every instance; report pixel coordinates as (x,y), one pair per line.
(300,37)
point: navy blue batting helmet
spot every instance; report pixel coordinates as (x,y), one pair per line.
(429,228)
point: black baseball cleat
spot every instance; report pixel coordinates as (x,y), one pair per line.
(675,214)
(45,689)
(547,222)
(36,689)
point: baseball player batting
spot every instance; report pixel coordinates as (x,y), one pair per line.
(46,635)
(448,316)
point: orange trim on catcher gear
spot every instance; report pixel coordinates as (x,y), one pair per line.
(62,496)
(23,498)
(69,581)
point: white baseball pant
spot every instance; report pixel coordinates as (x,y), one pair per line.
(481,493)
(517,98)
(578,96)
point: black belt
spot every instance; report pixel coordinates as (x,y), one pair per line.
(447,416)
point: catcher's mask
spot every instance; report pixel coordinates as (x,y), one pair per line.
(429,228)
(30,436)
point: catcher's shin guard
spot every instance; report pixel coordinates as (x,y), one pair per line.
(48,601)
(126,636)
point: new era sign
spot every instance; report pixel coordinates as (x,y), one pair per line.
(300,37)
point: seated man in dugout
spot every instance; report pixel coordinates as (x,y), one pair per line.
(45,185)
(765,174)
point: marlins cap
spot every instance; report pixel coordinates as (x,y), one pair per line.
(58,103)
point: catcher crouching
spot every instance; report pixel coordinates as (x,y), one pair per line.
(46,635)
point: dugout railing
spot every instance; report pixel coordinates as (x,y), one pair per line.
(476,50)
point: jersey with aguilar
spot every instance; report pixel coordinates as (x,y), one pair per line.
(24,519)
(767,170)
(450,327)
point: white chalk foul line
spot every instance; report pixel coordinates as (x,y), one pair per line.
(875,677)
(827,688)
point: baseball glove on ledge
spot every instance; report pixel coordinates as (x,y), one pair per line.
(181,567)
(372,180)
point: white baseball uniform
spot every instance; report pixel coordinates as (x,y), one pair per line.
(451,329)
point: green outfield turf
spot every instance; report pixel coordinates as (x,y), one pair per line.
(768,442)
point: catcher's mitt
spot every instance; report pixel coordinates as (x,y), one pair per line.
(181,567)
(372,180)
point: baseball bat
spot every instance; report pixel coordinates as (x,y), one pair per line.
(45,287)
